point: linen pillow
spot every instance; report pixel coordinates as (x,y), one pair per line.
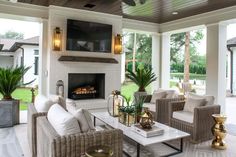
(157,95)
(192,103)
(63,122)
(59,100)
(42,103)
(171,94)
(209,99)
(70,106)
(84,119)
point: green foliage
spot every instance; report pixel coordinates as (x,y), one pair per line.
(192,76)
(10,79)
(12,35)
(193,68)
(138,103)
(142,77)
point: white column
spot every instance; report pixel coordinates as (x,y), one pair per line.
(165,60)
(43,57)
(156,54)
(216,63)
(122,68)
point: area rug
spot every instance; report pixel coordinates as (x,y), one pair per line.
(9,144)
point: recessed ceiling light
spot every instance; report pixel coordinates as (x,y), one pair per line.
(174,13)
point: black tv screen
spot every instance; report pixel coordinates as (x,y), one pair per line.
(88,36)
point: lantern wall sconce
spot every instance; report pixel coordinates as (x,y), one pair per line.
(118,44)
(57,39)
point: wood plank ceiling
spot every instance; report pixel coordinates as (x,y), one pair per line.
(158,11)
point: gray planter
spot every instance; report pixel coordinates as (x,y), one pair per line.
(9,113)
(138,94)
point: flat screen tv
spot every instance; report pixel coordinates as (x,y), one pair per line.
(88,36)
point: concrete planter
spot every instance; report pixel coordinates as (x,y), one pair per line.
(9,113)
(138,94)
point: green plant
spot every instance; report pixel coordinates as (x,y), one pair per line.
(10,79)
(142,76)
(138,103)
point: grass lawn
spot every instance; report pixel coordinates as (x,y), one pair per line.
(24,95)
(129,88)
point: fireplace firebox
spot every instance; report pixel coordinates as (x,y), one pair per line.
(86,86)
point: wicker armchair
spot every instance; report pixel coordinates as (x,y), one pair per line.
(200,129)
(51,144)
(161,108)
(32,116)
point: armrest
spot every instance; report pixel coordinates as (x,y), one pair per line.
(176,106)
(148,98)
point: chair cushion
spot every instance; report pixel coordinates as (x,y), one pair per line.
(192,103)
(151,106)
(183,116)
(209,99)
(84,119)
(158,94)
(171,94)
(63,122)
(42,103)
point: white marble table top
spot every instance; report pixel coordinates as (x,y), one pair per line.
(169,132)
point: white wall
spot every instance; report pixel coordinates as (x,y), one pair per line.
(58,70)
(234,71)
(6,61)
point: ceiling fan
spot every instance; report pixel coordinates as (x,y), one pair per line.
(132,2)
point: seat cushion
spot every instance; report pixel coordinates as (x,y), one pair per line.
(151,106)
(192,103)
(209,99)
(63,122)
(183,116)
(42,103)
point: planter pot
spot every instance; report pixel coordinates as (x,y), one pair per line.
(9,113)
(138,94)
(126,119)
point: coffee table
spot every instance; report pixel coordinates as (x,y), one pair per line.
(169,133)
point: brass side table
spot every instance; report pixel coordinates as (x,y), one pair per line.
(99,151)
(219,131)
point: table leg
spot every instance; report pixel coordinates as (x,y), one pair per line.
(138,150)
(94,121)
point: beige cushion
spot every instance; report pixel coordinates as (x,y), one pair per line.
(171,94)
(151,106)
(209,99)
(63,122)
(158,94)
(85,122)
(183,115)
(192,103)
(42,103)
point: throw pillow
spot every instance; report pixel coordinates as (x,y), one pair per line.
(192,103)
(84,120)
(63,122)
(157,95)
(209,99)
(42,103)
(171,94)
(59,100)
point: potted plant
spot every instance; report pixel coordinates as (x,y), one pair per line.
(142,77)
(10,80)
(138,103)
(127,113)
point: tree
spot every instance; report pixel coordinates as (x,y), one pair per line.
(12,35)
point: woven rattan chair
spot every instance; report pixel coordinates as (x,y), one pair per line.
(200,128)
(51,144)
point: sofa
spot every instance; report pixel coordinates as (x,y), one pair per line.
(51,144)
(160,109)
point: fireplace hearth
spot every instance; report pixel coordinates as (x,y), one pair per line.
(86,86)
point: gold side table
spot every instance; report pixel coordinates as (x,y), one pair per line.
(99,151)
(219,131)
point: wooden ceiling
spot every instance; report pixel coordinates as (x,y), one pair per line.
(158,11)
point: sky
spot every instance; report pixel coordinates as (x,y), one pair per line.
(29,29)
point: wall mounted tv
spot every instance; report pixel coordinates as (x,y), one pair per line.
(88,36)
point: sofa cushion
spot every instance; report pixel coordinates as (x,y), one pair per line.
(209,99)
(158,95)
(42,103)
(192,103)
(59,100)
(171,94)
(151,106)
(84,119)
(63,122)
(183,116)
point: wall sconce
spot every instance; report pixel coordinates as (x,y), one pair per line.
(118,44)
(57,39)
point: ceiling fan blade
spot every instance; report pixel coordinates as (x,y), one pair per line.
(130,2)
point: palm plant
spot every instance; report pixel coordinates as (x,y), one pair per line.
(142,76)
(10,79)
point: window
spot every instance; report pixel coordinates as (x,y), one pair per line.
(36,65)
(36,52)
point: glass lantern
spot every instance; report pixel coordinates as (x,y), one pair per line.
(115,100)
(146,120)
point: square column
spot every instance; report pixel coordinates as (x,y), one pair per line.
(165,60)
(216,63)
(156,60)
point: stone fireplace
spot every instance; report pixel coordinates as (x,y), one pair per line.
(86,86)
